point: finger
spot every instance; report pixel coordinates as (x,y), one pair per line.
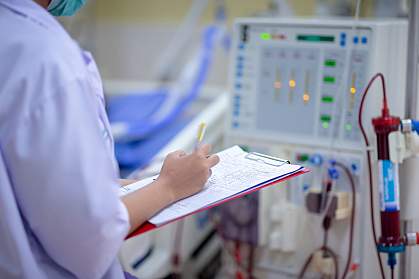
(177,154)
(213,160)
(203,150)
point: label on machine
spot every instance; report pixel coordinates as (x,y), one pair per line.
(388,185)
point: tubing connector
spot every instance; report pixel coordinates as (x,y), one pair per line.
(391,252)
(409,125)
(411,239)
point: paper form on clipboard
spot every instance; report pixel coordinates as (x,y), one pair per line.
(237,172)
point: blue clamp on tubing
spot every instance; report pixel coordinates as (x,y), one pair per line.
(415,125)
(332,171)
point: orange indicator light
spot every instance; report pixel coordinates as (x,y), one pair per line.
(306,97)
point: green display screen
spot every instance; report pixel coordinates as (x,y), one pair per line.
(316,38)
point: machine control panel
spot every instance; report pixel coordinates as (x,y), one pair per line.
(292,81)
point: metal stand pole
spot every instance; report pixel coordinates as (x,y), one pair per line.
(412,60)
(411,112)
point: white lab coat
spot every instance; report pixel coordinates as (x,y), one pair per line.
(60,215)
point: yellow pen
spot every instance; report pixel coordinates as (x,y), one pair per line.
(200,135)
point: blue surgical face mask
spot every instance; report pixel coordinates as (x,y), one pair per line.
(65,7)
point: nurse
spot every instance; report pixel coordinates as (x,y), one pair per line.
(60,215)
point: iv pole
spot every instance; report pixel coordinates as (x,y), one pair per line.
(409,191)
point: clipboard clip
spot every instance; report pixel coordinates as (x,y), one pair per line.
(269,160)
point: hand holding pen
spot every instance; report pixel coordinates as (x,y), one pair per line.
(186,174)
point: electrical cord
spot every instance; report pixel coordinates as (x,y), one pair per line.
(352,222)
(327,221)
(329,252)
(305,266)
(368,152)
(334,258)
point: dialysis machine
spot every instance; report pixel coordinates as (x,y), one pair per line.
(295,89)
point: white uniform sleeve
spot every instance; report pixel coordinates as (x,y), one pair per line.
(65,183)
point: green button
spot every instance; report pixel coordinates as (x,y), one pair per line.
(302,157)
(265,36)
(348,127)
(329,79)
(330,63)
(325,118)
(327,99)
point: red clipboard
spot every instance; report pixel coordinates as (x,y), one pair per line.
(147,226)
